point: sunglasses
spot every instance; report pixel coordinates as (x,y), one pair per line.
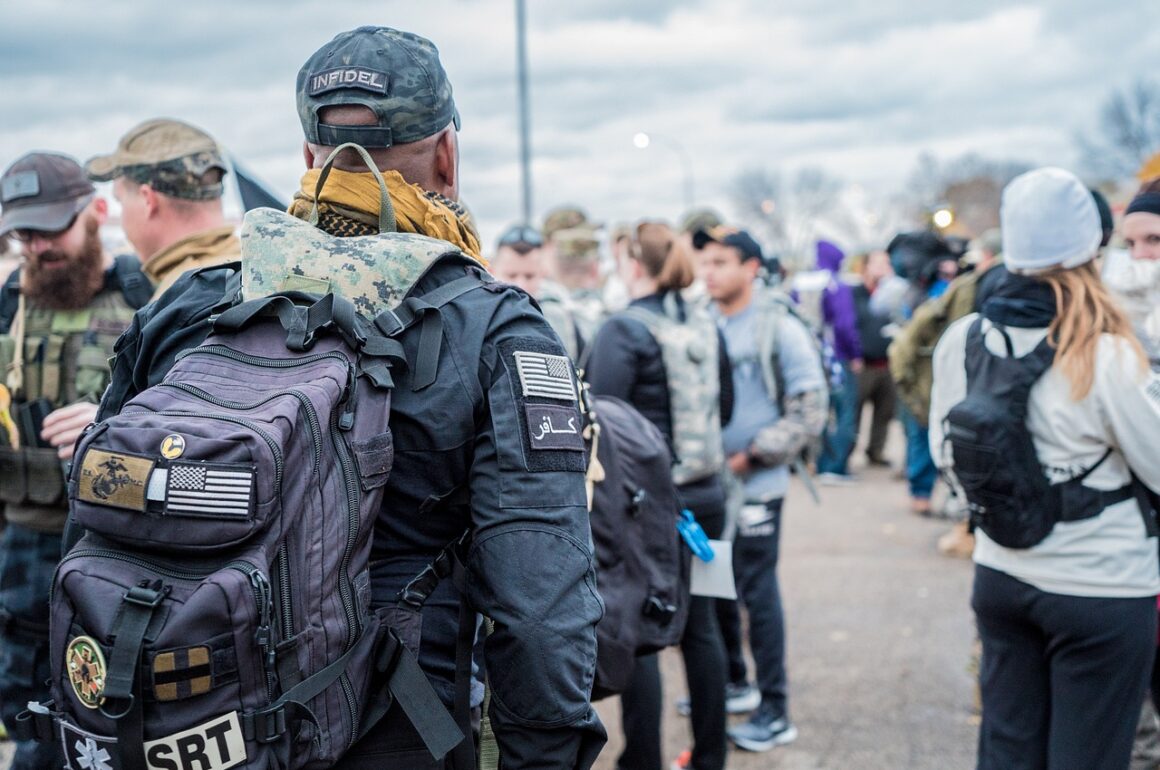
(522,234)
(25,234)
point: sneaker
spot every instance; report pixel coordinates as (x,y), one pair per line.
(741,698)
(683,761)
(959,542)
(877,462)
(836,479)
(762,732)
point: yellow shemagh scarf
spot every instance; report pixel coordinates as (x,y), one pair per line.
(349,205)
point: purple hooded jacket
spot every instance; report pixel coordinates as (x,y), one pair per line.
(838,305)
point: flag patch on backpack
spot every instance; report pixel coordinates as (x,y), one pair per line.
(197,489)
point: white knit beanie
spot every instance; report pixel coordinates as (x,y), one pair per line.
(1048,219)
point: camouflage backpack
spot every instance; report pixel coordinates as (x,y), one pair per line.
(690,354)
(216,614)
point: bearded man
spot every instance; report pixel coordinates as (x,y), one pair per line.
(60,314)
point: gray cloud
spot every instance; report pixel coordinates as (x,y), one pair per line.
(859,87)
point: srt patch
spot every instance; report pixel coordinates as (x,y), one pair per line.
(553,427)
(214,745)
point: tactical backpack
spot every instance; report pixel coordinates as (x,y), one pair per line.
(1008,494)
(642,568)
(217,613)
(690,355)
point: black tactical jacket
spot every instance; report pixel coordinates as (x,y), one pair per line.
(465,456)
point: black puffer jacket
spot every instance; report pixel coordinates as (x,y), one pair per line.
(625,362)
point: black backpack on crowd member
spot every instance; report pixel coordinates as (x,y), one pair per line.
(642,567)
(216,613)
(1008,494)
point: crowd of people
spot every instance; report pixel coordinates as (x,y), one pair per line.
(1023,356)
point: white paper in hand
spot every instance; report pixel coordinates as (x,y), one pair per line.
(714,578)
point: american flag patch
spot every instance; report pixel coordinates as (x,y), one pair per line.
(545,376)
(206,490)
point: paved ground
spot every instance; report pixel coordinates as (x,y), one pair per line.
(879,636)
(879,641)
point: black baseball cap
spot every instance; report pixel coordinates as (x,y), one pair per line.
(43,191)
(396,75)
(729,236)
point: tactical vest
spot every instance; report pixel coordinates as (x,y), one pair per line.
(690,356)
(53,358)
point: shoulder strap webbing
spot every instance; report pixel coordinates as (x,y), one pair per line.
(134,284)
(9,300)
(424,309)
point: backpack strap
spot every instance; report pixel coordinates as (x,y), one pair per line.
(122,690)
(9,300)
(424,310)
(132,281)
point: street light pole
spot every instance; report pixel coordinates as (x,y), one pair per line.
(642,140)
(525,118)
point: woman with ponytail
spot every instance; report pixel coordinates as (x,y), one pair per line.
(1067,620)
(667,359)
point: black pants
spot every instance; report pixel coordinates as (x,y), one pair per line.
(755,552)
(876,386)
(729,619)
(704,657)
(1062,677)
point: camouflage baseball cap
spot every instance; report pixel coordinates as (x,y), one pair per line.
(567,218)
(700,219)
(396,75)
(42,191)
(577,244)
(170,156)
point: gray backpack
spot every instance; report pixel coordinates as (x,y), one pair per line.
(689,350)
(216,614)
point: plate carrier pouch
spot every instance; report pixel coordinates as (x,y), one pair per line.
(642,566)
(689,353)
(1008,494)
(216,614)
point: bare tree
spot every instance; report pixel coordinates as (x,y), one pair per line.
(788,213)
(970,185)
(1127,131)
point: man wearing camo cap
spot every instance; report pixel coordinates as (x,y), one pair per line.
(572,245)
(167,176)
(468,452)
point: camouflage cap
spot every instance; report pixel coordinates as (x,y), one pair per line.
(566,218)
(577,245)
(396,75)
(700,219)
(170,156)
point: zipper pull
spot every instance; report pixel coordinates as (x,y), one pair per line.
(264,634)
(346,418)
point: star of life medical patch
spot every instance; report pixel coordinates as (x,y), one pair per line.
(545,376)
(87,751)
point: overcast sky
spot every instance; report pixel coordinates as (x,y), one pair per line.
(859,87)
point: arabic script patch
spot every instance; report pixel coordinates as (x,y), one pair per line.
(553,427)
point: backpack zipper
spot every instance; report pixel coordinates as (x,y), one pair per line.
(344,588)
(314,424)
(259,361)
(275,450)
